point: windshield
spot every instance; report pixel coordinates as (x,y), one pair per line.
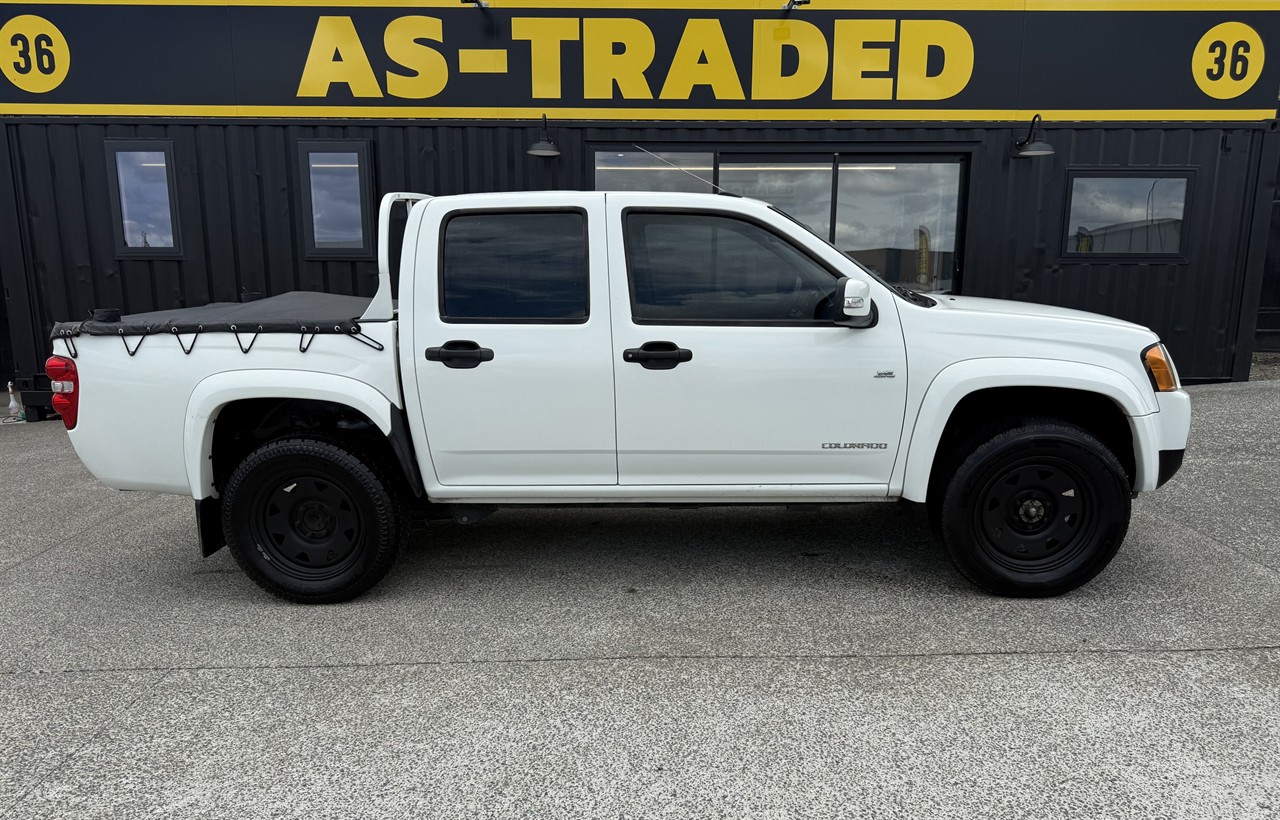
(903,291)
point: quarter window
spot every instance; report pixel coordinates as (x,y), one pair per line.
(337,199)
(143,201)
(1126,215)
(522,267)
(708,269)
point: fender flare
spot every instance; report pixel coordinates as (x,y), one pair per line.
(961,379)
(220,389)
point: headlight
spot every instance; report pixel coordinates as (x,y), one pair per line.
(1160,369)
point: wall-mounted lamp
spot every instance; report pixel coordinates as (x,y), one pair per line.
(545,146)
(791,4)
(1029,146)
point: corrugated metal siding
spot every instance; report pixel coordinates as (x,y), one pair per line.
(239,202)
(6,347)
(1268,332)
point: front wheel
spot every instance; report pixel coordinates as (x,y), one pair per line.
(312,522)
(1037,510)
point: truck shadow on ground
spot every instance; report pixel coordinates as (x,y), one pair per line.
(621,547)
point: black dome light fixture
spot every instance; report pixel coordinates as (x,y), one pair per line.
(1030,146)
(545,146)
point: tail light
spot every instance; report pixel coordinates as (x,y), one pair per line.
(65,384)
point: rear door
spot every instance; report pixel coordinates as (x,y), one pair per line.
(512,343)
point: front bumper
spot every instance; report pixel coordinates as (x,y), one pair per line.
(1160,439)
(1170,463)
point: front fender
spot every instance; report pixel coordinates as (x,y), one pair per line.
(219,390)
(958,380)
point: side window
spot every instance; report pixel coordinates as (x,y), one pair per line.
(143,198)
(705,268)
(514,267)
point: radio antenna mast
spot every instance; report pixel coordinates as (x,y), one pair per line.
(718,189)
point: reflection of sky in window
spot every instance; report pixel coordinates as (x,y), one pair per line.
(882,204)
(637,171)
(1103,202)
(515,266)
(144,199)
(802,189)
(335,199)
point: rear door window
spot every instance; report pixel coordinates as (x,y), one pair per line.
(514,267)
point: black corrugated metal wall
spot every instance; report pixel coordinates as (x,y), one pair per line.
(239,213)
(1268,332)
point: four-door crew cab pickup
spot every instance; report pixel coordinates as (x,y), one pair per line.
(623,348)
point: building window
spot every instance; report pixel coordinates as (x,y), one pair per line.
(143,198)
(684,171)
(900,218)
(898,215)
(522,267)
(688,268)
(1126,215)
(337,199)
(801,186)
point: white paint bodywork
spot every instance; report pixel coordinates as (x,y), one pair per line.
(557,417)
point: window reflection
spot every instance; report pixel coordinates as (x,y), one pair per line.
(335,199)
(514,267)
(1115,215)
(145,210)
(802,189)
(638,171)
(899,219)
(705,268)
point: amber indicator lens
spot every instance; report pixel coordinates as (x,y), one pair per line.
(1159,368)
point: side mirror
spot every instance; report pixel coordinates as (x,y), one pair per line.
(856,306)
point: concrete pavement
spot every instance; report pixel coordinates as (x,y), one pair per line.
(746,662)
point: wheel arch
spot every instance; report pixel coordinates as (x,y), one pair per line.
(230,413)
(966,394)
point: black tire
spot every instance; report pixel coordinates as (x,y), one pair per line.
(1036,510)
(311,522)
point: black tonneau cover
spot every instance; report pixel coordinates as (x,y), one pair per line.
(297,312)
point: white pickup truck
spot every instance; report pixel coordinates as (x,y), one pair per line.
(570,348)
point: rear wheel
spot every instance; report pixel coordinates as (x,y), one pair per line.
(312,522)
(1036,510)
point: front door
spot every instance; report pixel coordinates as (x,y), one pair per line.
(511,338)
(728,367)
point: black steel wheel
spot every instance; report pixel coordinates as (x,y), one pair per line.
(312,522)
(1036,510)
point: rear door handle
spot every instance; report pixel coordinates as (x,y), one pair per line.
(459,353)
(657,355)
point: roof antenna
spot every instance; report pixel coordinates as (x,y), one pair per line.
(719,190)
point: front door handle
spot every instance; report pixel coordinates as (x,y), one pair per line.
(459,353)
(657,355)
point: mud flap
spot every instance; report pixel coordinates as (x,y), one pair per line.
(209,526)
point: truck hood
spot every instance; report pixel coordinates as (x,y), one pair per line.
(967,327)
(999,309)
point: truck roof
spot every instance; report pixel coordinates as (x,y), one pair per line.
(665,197)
